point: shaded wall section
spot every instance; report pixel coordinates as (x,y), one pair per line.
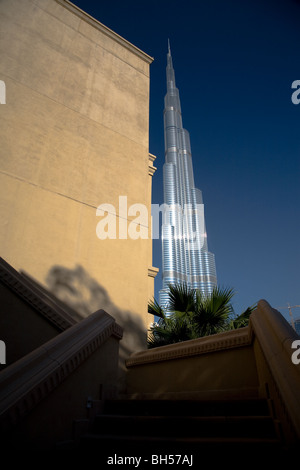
(85,295)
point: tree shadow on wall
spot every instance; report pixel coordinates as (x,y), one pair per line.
(78,290)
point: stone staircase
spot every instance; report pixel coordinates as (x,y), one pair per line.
(145,427)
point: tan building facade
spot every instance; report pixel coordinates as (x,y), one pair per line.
(74,136)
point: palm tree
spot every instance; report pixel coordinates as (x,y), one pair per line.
(193,315)
(173,328)
(211,312)
(239,321)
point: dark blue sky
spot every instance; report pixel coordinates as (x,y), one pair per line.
(234,62)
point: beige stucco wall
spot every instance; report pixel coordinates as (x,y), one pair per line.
(221,371)
(74,135)
(209,365)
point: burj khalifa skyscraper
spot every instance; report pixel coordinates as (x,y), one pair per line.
(185,255)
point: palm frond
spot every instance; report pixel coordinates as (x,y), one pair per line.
(155,309)
(242,320)
(171,330)
(181,298)
(212,311)
(194,315)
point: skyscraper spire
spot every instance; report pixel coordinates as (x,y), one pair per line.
(185,254)
(170,70)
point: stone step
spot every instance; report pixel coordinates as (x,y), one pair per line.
(186,426)
(242,407)
(145,427)
(146,446)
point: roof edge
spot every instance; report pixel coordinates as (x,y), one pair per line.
(105,30)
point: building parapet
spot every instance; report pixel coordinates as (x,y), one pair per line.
(105,30)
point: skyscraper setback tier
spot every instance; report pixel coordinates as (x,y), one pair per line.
(185,255)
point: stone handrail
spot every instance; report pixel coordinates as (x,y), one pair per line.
(257,357)
(25,289)
(275,337)
(195,347)
(29,380)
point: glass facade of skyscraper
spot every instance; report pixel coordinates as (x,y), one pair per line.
(185,252)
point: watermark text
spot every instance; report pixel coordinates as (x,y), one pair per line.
(296,354)
(179,223)
(296,94)
(2,352)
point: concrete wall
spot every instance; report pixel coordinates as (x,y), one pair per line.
(74,135)
(222,364)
